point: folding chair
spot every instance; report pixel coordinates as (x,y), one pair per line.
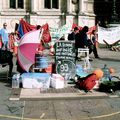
(87,64)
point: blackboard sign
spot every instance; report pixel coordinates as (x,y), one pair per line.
(65,58)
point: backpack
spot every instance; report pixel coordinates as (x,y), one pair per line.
(87,83)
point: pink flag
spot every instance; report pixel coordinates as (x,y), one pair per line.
(27,49)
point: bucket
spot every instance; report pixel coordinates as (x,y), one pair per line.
(41,61)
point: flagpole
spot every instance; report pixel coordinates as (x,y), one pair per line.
(40,34)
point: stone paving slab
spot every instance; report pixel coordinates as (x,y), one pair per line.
(102,109)
(35,94)
(15,94)
(69,92)
(66,93)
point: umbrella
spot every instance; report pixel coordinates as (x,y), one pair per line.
(27,48)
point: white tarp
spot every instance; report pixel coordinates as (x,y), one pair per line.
(110,35)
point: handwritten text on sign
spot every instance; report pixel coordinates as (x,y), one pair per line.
(65,57)
(65,50)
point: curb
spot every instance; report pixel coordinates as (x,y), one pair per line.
(34,94)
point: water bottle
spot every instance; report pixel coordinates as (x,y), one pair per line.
(15,81)
(106,76)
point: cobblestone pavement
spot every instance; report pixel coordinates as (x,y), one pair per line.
(111,58)
(79,109)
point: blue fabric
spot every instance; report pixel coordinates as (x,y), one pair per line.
(80,71)
(20,30)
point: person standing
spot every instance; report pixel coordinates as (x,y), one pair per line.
(92,47)
(4,37)
(71,36)
(81,39)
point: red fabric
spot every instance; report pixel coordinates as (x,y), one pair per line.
(0,41)
(26,26)
(11,41)
(80,28)
(91,29)
(46,34)
(75,25)
(88,82)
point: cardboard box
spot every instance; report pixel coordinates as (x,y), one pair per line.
(57,81)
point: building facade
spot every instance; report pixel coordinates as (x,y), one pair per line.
(54,12)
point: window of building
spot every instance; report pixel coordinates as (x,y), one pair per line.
(16,4)
(12,3)
(52,4)
(20,3)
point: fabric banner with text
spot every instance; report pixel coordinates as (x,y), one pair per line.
(110,35)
